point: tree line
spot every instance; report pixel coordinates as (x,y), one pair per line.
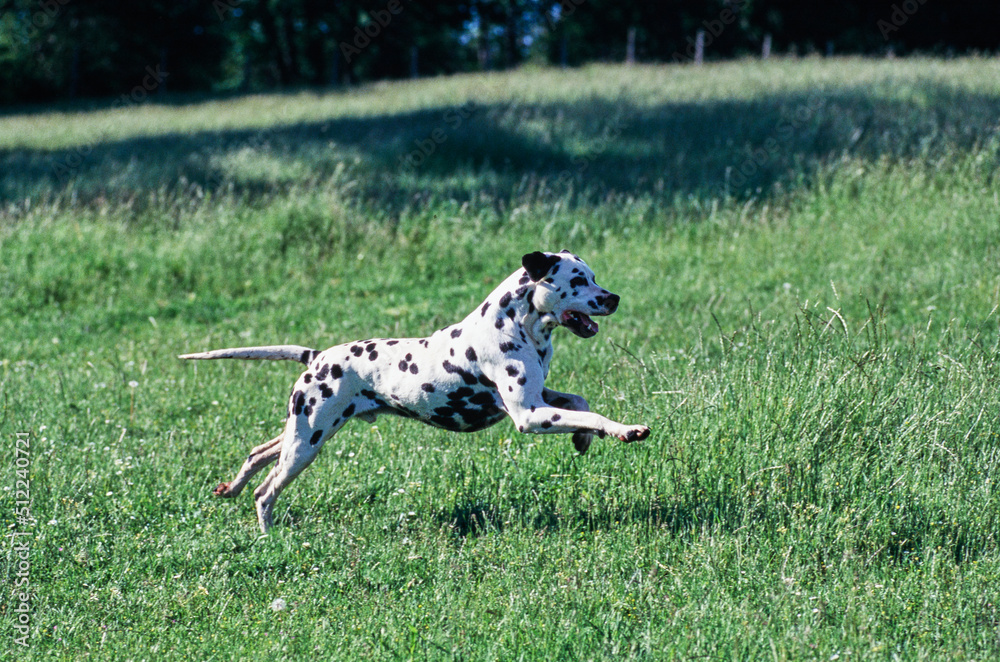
(63,49)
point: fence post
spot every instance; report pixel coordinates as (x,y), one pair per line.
(699,47)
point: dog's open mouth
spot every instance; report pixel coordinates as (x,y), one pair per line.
(579,324)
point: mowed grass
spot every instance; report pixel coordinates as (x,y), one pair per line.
(814,339)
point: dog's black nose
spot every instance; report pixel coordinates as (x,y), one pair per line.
(611,302)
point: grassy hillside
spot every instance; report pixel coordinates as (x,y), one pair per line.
(807,253)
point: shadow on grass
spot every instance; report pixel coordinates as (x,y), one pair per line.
(507,153)
(905,542)
(474,517)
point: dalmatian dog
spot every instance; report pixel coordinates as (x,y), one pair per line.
(463,378)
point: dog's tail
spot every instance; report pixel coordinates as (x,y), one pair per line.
(270,352)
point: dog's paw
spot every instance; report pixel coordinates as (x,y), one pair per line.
(581,441)
(637,433)
(222,490)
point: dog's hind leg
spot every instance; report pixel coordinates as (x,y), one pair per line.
(259,457)
(296,454)
(300,444)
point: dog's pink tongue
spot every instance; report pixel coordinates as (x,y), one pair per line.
(589,323)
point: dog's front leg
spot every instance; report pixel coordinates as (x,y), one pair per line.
(543,419)
(526,405)
(581,440)
(520,383)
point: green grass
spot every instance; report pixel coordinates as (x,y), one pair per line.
(815,346)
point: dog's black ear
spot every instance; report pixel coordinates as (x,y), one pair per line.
(538,264)
(565,250)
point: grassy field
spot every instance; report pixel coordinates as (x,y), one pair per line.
(808,253)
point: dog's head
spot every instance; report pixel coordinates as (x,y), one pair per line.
(566,290)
